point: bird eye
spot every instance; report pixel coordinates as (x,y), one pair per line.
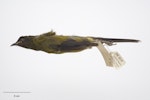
(21,39)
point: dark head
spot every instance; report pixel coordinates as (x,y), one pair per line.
(25,41)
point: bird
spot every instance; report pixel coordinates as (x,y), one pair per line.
(50,42)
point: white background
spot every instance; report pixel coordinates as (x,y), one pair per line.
(74,76)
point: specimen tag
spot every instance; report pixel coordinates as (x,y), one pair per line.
(112,59)
(118,61)
(106,55)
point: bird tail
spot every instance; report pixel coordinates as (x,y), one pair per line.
(112,41)
(112,59)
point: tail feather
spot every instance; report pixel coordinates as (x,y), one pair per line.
(110,41)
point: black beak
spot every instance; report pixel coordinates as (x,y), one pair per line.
(15,44)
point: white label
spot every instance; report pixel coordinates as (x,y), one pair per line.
(106,55)
(118,61)
(112,59)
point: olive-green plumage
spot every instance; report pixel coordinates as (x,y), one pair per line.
(52,43)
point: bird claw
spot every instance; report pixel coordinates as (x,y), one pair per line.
(109,43)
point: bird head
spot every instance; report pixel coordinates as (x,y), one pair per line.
(24,41)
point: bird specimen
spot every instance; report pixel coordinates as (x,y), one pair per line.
(51,43)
